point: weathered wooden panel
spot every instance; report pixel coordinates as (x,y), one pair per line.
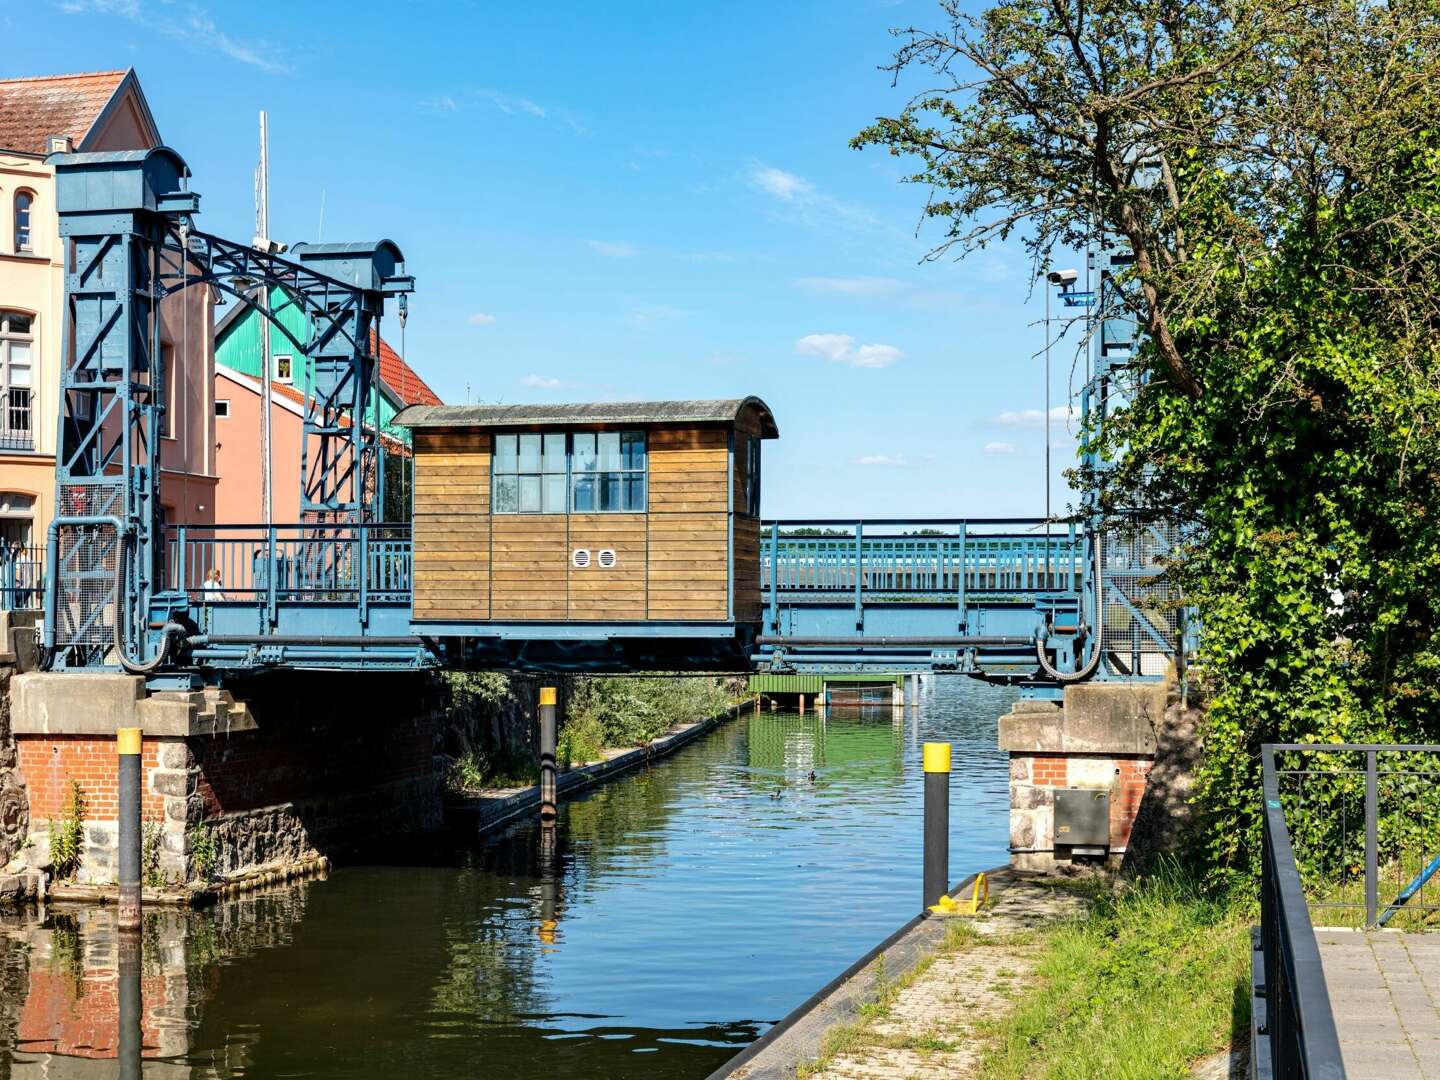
(451,527)
(529,555)
(615,593)
(748,600)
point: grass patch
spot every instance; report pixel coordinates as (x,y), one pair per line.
(1154,978)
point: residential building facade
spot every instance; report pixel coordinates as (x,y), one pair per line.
(98,111)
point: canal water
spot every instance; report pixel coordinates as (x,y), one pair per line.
(671,918)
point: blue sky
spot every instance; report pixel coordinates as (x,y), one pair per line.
(624,200)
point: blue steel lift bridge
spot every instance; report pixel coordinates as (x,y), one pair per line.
(1005,600)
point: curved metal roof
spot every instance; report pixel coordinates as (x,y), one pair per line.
(604,412)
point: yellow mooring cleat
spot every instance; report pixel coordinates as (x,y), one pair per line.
(979,897)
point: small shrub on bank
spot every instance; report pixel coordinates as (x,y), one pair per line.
(624,711)
(67,837)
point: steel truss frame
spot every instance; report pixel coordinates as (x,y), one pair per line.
(126,223)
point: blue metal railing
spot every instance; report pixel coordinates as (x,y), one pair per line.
(918,558)
(289,563)
(22,578)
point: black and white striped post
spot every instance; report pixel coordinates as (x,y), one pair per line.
(936,761)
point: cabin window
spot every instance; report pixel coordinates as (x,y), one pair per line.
(750,470)
(608,472)
(529,474)
(23,202)
(551,472)
(284,367)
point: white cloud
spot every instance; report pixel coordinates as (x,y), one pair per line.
(480,318)
(782,184)
(842,349)
(541,382)
(999,448)
(442,103)
(651,317)
(509,104)
(851,286)
(190,23)
(712,256)
(801,199)
(612,250)
(1033,419)
(888,461)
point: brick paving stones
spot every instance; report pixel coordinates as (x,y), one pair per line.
(1385,993)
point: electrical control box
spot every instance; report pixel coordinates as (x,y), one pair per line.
(1082,820)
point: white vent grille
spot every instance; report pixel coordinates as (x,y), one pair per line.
(580,557)
(606,558)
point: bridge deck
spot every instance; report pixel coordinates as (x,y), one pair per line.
(1385,992)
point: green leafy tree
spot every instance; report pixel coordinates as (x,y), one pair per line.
(1274,169)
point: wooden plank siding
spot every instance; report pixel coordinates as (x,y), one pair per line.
(671,563)
(617,593)
(451,531)
(688,573)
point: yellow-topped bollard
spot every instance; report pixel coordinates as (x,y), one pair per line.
(127,748)
(549,768)
(936,760)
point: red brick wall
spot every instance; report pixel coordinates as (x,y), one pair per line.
(1130,778)
(49,762)
(1049,771)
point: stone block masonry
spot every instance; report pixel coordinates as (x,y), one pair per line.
(301,765)
(1103,737)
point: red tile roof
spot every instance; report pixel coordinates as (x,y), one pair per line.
(402,379)
(33,109)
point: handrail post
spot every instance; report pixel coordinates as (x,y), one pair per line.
(181,539)
(859,578)
(963,602)
(364,573)
(272,567)
(1372,840)
(774,577)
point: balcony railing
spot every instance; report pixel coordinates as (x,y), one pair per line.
(22,578)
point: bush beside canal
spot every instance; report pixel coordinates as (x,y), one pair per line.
(625,711)
(490,736)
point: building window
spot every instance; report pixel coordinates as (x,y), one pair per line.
(23,202)
(529,474)
(608,471)
(222,408)
(284,368)
(750,472)
(550,473)
(16,381)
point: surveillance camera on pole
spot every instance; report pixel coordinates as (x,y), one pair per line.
(1063,278)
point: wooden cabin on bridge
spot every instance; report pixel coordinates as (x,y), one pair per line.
(617,513)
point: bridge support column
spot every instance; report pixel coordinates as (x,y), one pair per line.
(912,692)
(549,810)
(1099,746)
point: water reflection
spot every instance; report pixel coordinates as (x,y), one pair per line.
(666,921)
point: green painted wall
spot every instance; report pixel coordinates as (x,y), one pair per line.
(238,348)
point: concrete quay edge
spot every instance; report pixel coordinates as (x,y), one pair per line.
(800,1035)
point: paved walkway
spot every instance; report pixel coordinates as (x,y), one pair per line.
(926,1033)
(1385,992)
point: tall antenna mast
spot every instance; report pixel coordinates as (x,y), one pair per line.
(262,234)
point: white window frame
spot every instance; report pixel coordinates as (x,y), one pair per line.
(287,380)
(28,247)
(222,403)
(9,338)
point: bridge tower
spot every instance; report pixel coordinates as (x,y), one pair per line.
(126,219)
